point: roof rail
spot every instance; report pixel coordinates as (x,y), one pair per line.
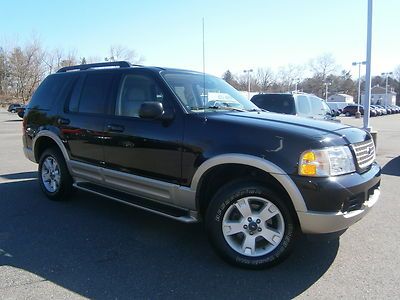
(121,64)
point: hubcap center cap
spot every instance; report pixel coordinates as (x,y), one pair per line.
(253,226)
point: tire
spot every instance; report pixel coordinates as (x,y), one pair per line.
(52,161)
(280,229)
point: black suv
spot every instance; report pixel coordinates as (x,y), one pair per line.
(188,146)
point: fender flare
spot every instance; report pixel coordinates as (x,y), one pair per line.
(56,139)
(259,163)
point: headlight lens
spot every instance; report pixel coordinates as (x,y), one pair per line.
(331,161)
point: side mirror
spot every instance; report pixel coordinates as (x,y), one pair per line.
(151,110)
(21,113)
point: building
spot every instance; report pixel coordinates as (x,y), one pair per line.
(379,97)
(341,98)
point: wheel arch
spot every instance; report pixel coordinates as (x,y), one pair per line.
(277,177)
(45,139)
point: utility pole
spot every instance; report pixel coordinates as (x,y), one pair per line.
(386,88)
(358,115)
(326,90)
(367,99)
(248,81)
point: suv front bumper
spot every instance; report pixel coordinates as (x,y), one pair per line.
(334,204)
(317,222)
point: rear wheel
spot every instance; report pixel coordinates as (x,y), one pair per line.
(250,225)
(53,175)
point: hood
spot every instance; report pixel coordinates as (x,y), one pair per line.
(317,129)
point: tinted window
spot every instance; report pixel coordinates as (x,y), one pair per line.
(303,105)
(283,104)
(136,89)
(93,95)
(48,91)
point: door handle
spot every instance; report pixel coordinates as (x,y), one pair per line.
(115,128)
(63,121)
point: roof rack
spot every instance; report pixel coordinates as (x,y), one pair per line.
(121,64)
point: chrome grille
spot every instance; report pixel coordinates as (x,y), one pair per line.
(365,153)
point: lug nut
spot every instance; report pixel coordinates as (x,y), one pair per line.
(259,229)
(258,221)
(245,226)
(249,219)
(251,232)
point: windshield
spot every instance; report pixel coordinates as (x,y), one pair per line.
(198,92)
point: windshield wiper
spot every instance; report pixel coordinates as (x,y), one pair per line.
(227,108)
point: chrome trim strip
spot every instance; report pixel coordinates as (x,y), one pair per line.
(259,163)
(190,219)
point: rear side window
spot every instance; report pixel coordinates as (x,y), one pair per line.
(90,94)
(303,106)
(48,91)
(283,104)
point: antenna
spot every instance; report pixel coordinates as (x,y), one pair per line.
(204,73)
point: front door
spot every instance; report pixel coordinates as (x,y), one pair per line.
(144,148)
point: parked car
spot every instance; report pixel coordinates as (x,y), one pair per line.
(379,110)
(383,110)
(300,104)
(395,108)
(339,106)
(20,111)
(372,111)
(147,137)
(13,107)
(334,108)
(350,110)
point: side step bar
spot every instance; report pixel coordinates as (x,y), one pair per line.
(148,205)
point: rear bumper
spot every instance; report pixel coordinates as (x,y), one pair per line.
(320,222)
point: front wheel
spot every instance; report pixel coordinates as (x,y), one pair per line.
(250,225)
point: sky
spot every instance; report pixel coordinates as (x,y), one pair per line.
(238,34)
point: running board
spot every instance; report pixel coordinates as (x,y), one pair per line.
(171,212)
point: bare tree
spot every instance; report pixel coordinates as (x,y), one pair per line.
(264,79)
(323,65)
(26,69)
(119,52)
(287,77)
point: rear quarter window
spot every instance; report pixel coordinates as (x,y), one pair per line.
(48,92)
(283,104)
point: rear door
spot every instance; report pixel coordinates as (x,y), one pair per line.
(82,122)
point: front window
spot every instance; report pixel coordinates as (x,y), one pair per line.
(199,92)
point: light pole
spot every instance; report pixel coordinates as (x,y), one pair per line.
(386,88)
(296,84)
(367,99)
(359,85)
(326,90)
(248,81)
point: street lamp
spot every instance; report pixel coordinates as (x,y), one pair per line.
(296,84)
(359,63)
(386,74)
(248,81)
(326,90)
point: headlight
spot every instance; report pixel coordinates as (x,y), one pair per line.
(329,161)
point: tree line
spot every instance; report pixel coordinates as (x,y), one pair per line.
(321,71)
(22,68)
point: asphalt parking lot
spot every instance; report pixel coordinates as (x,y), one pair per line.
(91,247)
